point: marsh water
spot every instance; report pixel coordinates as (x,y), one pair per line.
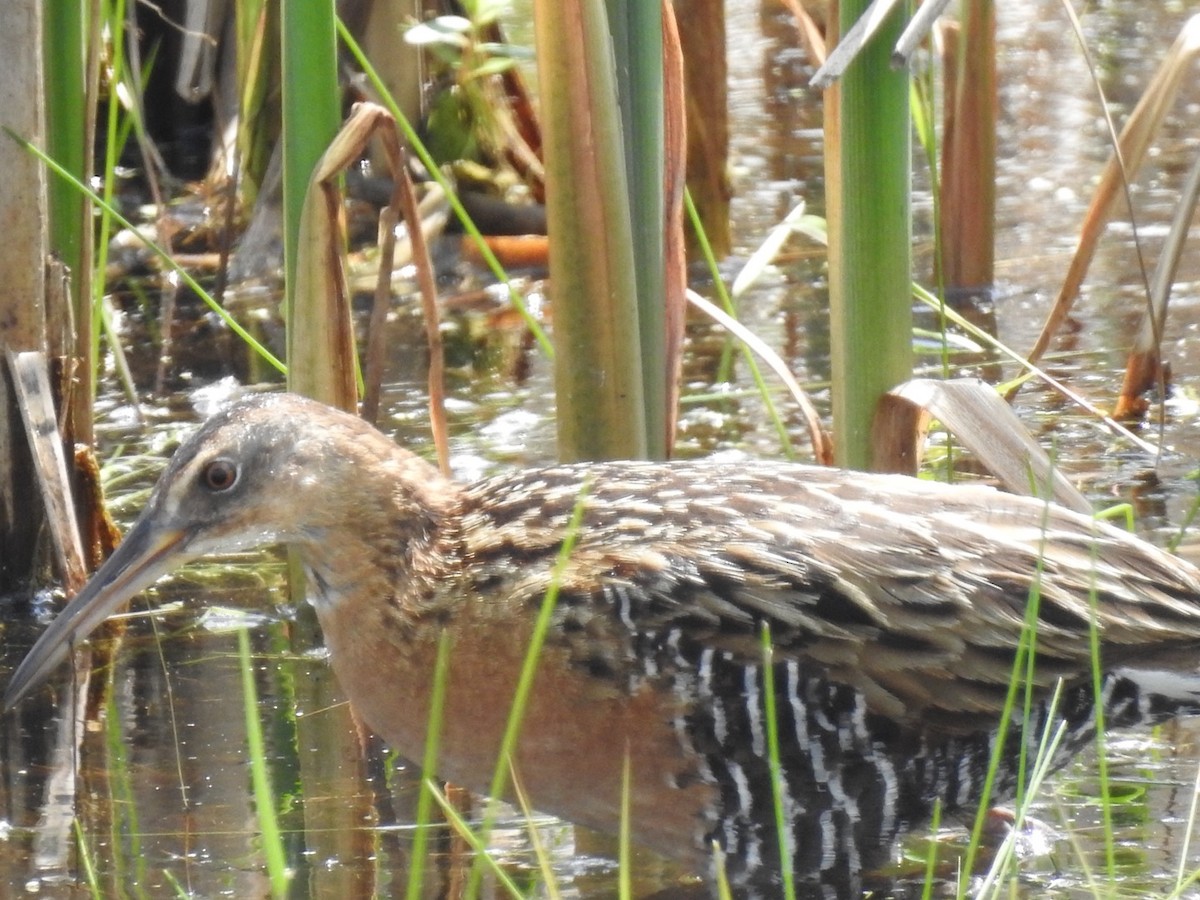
(159,800)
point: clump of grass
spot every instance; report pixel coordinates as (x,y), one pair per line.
(1039,771)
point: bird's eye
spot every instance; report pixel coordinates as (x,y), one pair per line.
(219,475)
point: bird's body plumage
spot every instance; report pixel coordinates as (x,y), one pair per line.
(895,607)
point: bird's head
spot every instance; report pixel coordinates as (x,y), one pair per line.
(263,471)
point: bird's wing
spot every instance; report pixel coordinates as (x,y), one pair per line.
(915,593)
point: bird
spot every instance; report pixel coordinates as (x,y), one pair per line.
(893,607)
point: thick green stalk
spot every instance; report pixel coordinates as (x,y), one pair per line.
(870,237)
(69,134)
(638,48)
(311,116)
(66,135)
(598,364)
(311,113)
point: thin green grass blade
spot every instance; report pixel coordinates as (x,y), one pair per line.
(173,720)
(125,831)
(529,668)
(921,103)
(475,841)
(180,891)
(991,342)
(760,383)
(931,855)
(1101,739)
(1027,695)
(1024,650)
(724,892)
(1182,879)
(545,866)
(1188,518)
(425,801)
(508,742)
(1185,887)
(1121,511)
(122,120)
(114,16)
(1088,879)
(1039,771)
(264,801)
(782,825)
(624,872)
(90,877)
(254,60)
(158,251)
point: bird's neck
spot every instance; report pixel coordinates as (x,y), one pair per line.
(376,579)
(392,540)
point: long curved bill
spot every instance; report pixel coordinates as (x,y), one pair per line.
(148,552)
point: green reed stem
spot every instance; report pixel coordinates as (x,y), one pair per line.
(637,38)
(310,106)
(868,206)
